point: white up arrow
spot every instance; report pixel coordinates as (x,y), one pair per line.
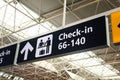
(26,49)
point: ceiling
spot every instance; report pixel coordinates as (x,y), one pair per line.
(76,9)
(72,67)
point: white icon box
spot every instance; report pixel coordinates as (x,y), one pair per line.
(44,46)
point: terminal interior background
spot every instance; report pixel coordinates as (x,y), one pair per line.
(25,19)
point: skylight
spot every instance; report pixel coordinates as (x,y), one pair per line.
(89,61)
(74,76)
(22,20)
(46,65)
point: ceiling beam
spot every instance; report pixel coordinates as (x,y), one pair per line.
(59,11)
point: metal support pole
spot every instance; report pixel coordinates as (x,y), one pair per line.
(64,13)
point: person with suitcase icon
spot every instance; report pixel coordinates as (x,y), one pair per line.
(48,43)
